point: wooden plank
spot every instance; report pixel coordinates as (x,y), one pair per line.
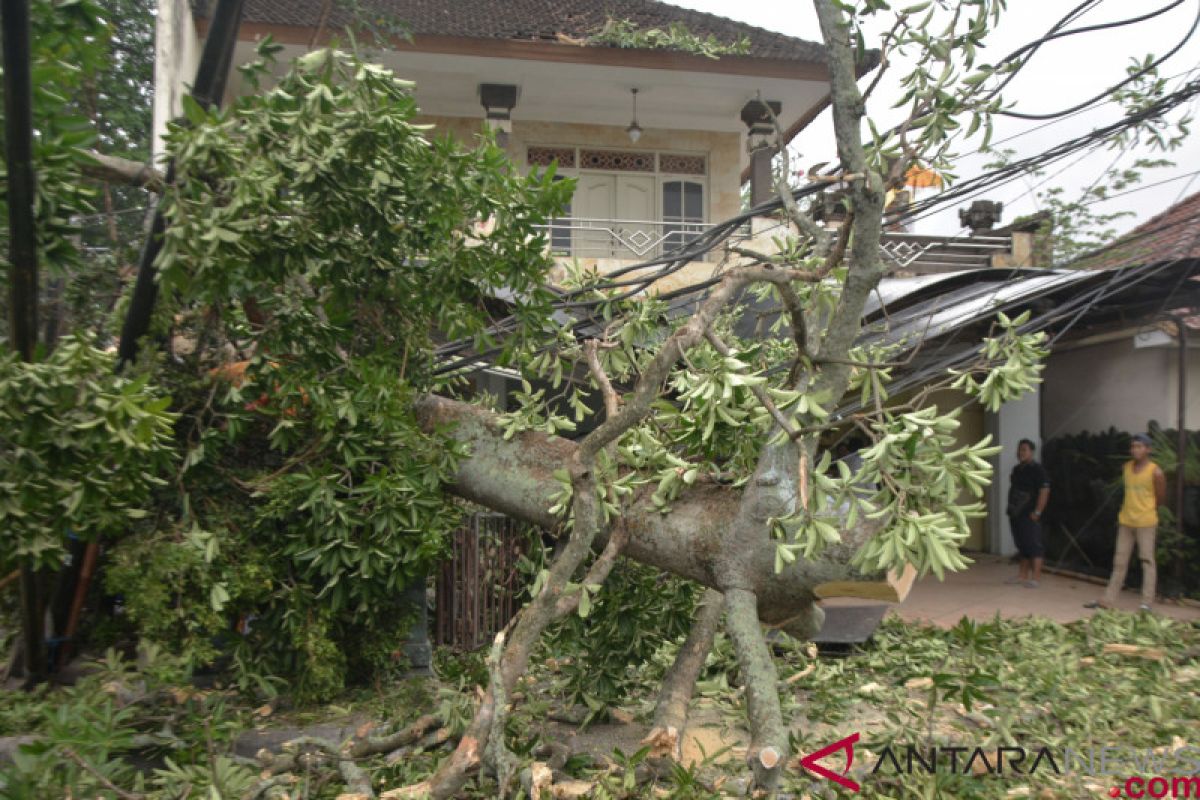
(892,590)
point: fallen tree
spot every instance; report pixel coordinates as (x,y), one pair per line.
(325,261)
(694,541)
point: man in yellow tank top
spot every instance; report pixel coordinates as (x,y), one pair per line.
(1145,491)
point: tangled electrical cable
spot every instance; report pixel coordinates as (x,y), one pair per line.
(1073,308)
(1014,170)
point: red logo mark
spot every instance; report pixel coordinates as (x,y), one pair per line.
(809,762)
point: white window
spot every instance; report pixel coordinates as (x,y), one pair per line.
(682,212)
(628,204)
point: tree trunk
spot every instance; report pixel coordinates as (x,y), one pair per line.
(698,540)
(768,736)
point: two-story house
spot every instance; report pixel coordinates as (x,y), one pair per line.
(659,140)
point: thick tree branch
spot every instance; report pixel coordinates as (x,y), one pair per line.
(533,619)
(655,374)
(598,572)
(553,601)
(612,401)
(866,193)
(670,714)
(497,752)
(112,169)
(768,736)
(782,277)
(694,541)
(795,312)
(363,747)
(843,238)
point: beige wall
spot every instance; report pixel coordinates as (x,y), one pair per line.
(1015,420)
(1114,384)
(723,151)
(970,430)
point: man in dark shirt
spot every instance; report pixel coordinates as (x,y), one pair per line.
(1028,492)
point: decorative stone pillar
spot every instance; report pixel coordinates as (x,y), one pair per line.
(760,143)
(417,649)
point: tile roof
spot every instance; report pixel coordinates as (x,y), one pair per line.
(1171,235)
(528,20)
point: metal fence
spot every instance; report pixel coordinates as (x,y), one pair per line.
(626,239)
(639,240)
(479,585)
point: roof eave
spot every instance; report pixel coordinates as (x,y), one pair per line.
(550,51)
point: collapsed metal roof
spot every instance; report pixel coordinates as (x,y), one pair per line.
(941,326)
(938,321)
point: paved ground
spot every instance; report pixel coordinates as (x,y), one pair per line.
(979,592)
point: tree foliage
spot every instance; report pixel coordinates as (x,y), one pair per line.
(80,450)
(324,261)
(68,44)
(676,36)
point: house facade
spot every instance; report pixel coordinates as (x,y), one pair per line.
(660,141)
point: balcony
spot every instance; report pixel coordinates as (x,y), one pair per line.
(620,239)
(608,243)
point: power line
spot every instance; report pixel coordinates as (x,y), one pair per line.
(1128,80)
(1121,154)
(457,354)
(1141,188)
(1072,115)
(1009,172)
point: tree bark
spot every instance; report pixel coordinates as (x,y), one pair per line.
(768,736)
(112,169)
(697,540)
(671,712)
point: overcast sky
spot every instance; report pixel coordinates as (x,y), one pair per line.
(1061,74)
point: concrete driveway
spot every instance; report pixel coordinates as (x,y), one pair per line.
(980,591)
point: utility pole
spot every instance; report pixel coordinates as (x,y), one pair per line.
(22,271)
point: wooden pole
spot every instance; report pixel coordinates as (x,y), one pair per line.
(81,586)
(18,109)
(1181,446)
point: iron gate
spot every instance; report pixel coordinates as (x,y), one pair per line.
(479,585)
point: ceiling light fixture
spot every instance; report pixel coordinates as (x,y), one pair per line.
(634,130)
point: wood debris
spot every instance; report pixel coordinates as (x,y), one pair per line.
(1136,650)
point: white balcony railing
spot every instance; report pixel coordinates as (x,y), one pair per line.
(626,239)
(641,240)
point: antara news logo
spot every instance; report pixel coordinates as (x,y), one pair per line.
(1146,773)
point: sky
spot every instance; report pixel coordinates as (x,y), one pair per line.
(1062,73)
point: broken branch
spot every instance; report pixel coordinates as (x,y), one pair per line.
(113,169)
